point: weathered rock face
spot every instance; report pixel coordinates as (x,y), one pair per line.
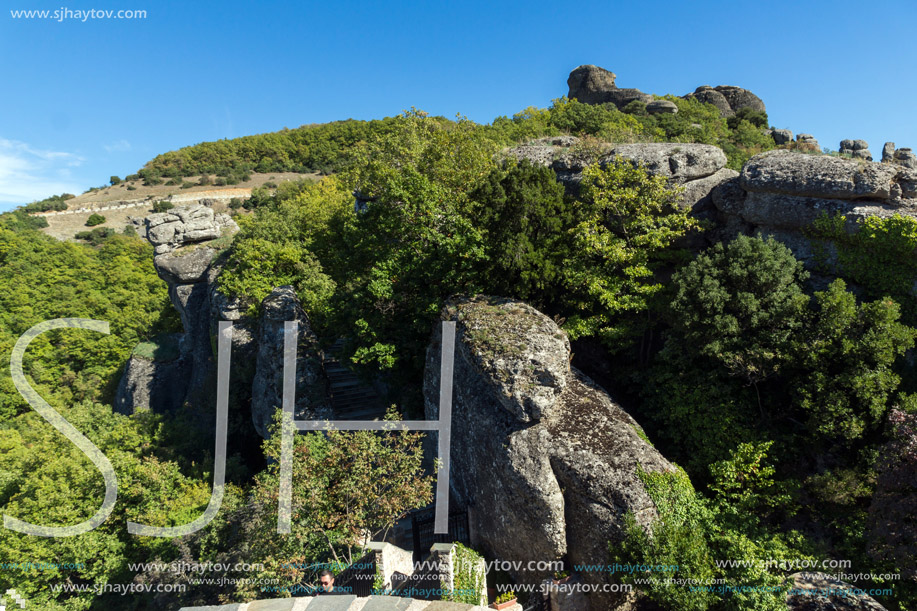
(588,83)
(807,142)
(855,148)
(781,193)
(696,167)
(187,266)
(823,176)
(312,397)
(185,225)
(819,597)
(657,107)
(158,385)
(727,99)
(593,85)
(782,136)
(545,460)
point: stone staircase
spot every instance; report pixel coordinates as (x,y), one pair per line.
(352,398)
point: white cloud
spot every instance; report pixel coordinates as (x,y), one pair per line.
(27,174)
(121,146)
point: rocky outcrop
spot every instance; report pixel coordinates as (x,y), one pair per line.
(153,381)
(696,167)
(858,149)
(544,459)
(185,225)
(593,85)
(807,142)
(727,98)
(659,107)
(781,193)
(821,592)
(185,260)
(782,136)
(903,156)
(312,397)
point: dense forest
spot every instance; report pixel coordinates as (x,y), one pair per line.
(791,410)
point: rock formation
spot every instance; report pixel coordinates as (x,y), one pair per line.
(807,142)
(782,136)
(593,85)
(821,592)
(781,193)
(312,397)
(184,260)
(153,381)
(697,167)
(727,99)
(546,462)
(855,148)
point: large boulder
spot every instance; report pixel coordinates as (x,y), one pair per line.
(727,98)
(822,176)
(594,85)
(589,83)
(312,395)
(185,225)
(709,95)
(741,98)
(545,460)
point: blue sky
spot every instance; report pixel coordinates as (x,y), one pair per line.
(85,100)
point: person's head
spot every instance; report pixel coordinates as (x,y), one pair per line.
(326,578)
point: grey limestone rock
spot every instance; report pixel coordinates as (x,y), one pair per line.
(594,85)
(312,395)
(888,152)
(150,383)
(185,265)
(802,175)
(661,107)
(545,459)
(740,98)
(186,224)
(709,95)
(588,83)
(782,136)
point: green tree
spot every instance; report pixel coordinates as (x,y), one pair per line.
(741,305)
(95,219)
(524,217)
(626,223)
(847,382)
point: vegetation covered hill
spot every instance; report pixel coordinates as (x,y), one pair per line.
(789,409)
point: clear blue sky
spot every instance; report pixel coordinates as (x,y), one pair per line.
(85,100)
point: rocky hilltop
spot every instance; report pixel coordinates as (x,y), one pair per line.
(594,85)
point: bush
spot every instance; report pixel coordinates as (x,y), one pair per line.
(758,118)
(173,182)
(205,180)
(270,185)
(187,185)
(162,206)
(114,180)
(96,235)
(95,219)
(131,188)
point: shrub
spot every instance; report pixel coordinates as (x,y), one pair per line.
(187,185)
(162,206)
(173,182)
(95,219)
(114,180)
(270,185)
(205,180)
(95,236)
(131,188)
